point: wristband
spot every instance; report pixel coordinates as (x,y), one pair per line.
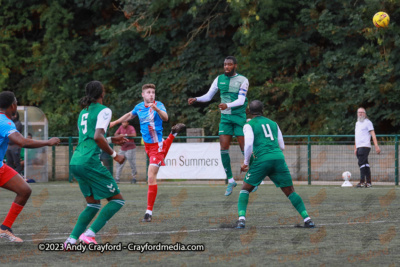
(109,140)
(114,154)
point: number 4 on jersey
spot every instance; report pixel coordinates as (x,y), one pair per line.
(268,132)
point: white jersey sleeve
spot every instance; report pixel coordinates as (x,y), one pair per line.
(237,102)
(103,119)
(211,92)
(280,139)
(248,143)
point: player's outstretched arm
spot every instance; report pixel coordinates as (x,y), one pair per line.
(128,116)
(118,140)
(208,96)
(103,144)
(21,141)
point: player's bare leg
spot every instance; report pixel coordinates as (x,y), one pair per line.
(17,185)
(298,204)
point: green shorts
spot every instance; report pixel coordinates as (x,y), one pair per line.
(95,180)
(232,124)
(277,170)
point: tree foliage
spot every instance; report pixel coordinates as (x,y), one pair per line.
(312,63)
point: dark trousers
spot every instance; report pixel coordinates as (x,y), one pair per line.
(14,158)
(365,171)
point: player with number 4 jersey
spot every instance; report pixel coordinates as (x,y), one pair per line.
(264,143)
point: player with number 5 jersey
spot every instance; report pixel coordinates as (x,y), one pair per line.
(95,181)
(264,142)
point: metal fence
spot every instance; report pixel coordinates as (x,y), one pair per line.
(310,158)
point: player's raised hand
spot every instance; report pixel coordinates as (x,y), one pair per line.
(119,158)
(54,141)
(244,168)
(153,106)
(119,140)
(191,101)
(223,106)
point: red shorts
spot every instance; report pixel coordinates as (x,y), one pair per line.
(6,173)
(156,155)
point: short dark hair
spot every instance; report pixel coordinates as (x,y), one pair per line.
(7,98)
(148,86)
(231,58)
(94,90)
(256,107)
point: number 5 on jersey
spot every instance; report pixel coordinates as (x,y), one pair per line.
(267,132)
(84,122)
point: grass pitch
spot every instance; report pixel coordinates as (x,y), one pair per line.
(354,226)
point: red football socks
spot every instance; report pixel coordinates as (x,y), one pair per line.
(151,196)
(12,214)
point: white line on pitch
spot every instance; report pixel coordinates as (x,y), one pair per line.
(196,230)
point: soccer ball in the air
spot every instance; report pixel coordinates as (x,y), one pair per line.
(381,19)
(346,176)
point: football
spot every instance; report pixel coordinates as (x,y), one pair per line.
(346,176)
(381,20)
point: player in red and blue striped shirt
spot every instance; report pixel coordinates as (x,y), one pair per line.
(151,115)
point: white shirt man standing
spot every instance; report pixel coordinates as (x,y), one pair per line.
(362,146)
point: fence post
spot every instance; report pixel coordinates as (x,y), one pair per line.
(309,159)
(53,163)
(70,151)
(396,158)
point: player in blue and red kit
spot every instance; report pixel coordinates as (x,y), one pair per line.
(151,115)
(9,178)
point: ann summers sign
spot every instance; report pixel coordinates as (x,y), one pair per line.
(193,161)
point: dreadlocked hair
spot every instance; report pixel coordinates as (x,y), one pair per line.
(94,90)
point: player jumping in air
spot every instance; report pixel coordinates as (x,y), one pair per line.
(151,114)
(95,181)
(233,88)
(264,142)
(9,178)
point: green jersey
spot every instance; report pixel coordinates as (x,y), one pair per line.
(230,88)
(266,134)
(95,117)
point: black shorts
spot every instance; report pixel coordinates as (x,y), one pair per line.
(362,156)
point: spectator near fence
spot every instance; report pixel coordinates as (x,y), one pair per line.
(128,150)
(362,147)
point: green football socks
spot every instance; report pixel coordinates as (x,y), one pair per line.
(84,219)
(226,162)
(106,213)
(242,203)
(298,204)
